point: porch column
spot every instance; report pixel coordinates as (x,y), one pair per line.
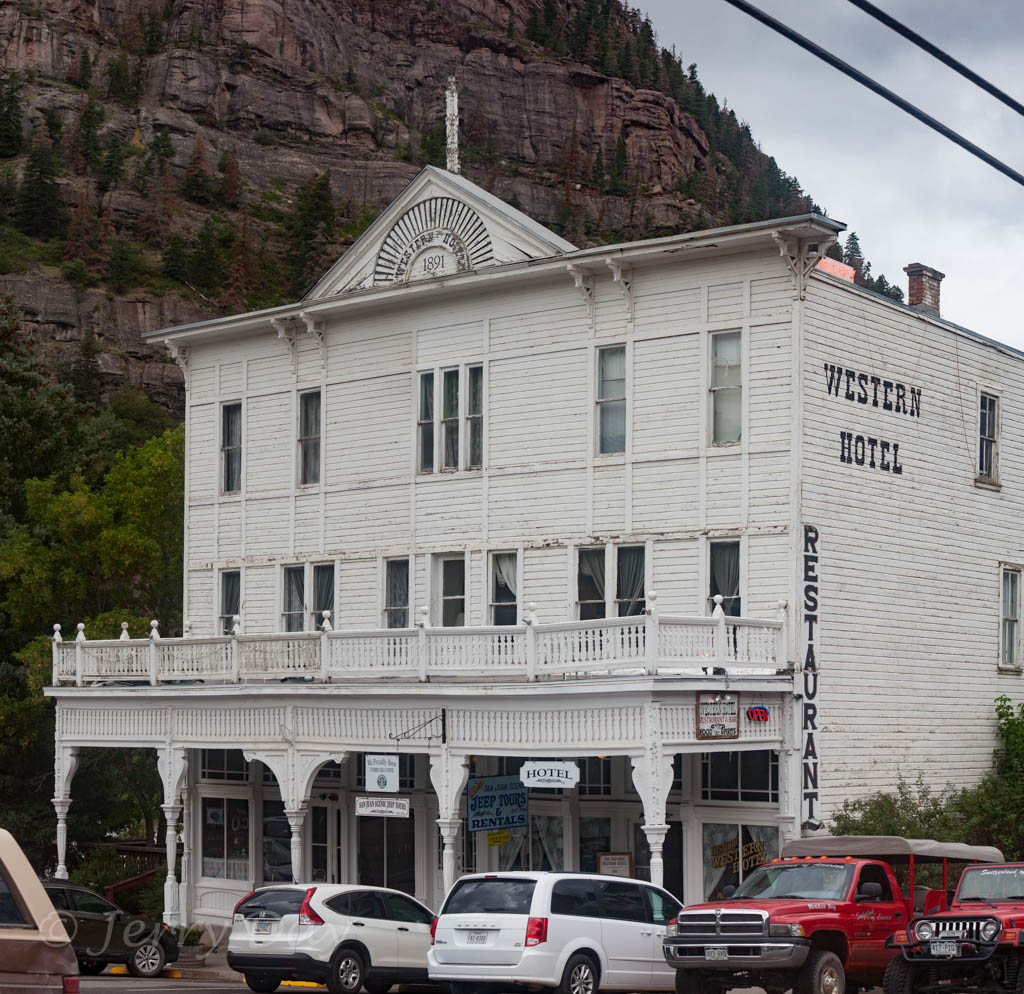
(652,775)
(185,884)
(171,763)
(448,774)
(65,763)
(296,817)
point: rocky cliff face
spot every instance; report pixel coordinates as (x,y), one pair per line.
(351,86)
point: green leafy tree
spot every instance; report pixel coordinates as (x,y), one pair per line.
(39,211)
(11,138)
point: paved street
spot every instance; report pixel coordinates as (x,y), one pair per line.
(129,985)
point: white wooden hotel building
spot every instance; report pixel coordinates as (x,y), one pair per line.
(519,477)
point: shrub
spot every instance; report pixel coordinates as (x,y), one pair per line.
(77,273)
(264,137)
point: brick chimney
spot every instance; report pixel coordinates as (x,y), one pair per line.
(923,291)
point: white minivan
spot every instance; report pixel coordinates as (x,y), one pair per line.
(574,931)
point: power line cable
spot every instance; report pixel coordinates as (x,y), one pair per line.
(882,91)
(938,53)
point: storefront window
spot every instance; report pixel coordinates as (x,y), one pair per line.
(277,836)
(595,837)
(732,851)
(226,838)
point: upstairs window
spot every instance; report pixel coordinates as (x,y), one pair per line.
(1009,652)
(223,764)
(450,418)
(740,776)
(231,448)
(475,417)
(629,580)
(611,399)
(504,604)
(590,600)
(988,433)
(453,592)
(425,424)
(724,569)
(309,438)
(396,593)
(230,599)
(726,388)
(323,595)
(294,599)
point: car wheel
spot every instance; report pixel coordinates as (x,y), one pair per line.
(823,973)
(689,982)
(377,986)
(346,976)
(147,960)
(579,976)
(90,967)
(899,976)
(264,983)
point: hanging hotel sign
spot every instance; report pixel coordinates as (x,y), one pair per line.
(494,803)
(381,774)
(382,807)
(718,716)
(550,773)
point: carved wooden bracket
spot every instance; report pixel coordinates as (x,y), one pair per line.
(801,256)
(317,331)
(287,334)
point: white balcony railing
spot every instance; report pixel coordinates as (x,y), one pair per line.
(646,644)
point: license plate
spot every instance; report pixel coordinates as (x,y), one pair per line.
(944,947)
(263,928)
(476,937)
(716,952)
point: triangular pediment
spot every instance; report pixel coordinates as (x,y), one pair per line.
(441,224)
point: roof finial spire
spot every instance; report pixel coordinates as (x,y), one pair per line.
(451,120)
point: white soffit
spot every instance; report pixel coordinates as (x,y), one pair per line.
(440,225)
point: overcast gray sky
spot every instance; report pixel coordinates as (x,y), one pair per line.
(910,194)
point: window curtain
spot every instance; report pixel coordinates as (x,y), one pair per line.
(509,853)
(547,830)
(592,565)
(232,445)
(725,572)
(631,580)
(323,592)
(294,598)
(230,594)
(505,568)
(397,594)
(309,433)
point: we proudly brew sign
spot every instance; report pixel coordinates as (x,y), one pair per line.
(549,773)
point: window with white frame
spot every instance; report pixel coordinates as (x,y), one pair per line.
(223,764)
(504,584)
(293,601)
(231,448)
(629,580)
(396,593)
(225,838)
(611,399)
(475,417)
(1009,652)
(988,436)
(450,419)
(309,438)
(724,573)
(740,776)
(230,599)
(726,388)
(425,424)
(453,592)
(323,594)
(595,776)
(590,597)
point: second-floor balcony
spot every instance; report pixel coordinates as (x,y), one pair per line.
(646,644)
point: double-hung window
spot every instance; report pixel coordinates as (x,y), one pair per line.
(453,592)
(628,583)
(475,417)
(590,599)
(456,440)
(724,570)
(230,599)
(425,424)
(611,399)
(396,593)
(231,448)
(450,419)
(309,438)
(988,437)
(1009,650)
(726,388)
(504,584)
(294,601)
(629,580)
(323,594)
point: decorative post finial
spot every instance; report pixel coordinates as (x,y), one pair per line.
(451,121)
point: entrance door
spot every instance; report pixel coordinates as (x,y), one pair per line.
(387,852)
(325,844)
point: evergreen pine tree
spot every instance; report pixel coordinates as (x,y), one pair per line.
(206,264)
(89,120)
(83,239)
(112,167)
(39,211)
(162,149)
(124,265)
(312,229)
(83,77)
(54,124)
(231,181)
(196,184)
(853,256)
(85,373)
(597,173)
(11,138)
(620,167)
(174,261)
(241,270)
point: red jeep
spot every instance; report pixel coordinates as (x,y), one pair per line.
(974,946)
(816,921)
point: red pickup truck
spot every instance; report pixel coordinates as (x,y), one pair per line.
(816,921)
(974,946)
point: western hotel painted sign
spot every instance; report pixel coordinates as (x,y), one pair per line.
(871,391)
(809,764)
